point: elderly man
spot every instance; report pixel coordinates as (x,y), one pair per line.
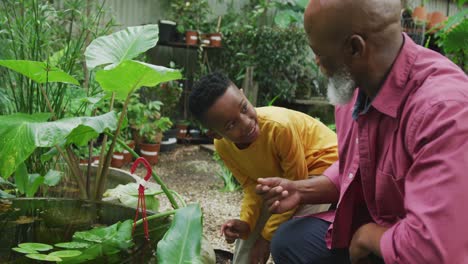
(401,184)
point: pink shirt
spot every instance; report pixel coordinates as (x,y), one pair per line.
(404,163)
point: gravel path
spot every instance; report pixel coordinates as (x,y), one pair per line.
(191,172)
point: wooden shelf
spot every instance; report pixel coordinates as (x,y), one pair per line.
(185,46)
(311,101)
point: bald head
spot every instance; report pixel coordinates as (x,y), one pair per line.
(333,18)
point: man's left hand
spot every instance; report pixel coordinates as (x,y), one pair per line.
(260,252)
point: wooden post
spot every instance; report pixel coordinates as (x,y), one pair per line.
(249,86)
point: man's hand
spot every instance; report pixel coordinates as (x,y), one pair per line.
(366,240)
(233,229)
(279,194)
(260,252)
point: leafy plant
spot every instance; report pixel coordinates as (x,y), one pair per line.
(169,94)
(290,12)
(34,30)
(151,131)
(124,77)
(110,58)
(282,61)
(189,14)
(230,183)
(452,38)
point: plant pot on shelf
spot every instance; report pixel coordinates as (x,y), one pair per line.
(182,131)
(215,39)
(420,14)
(436,21)
(191,37)
(194,133)
(169,141)
(205,39)
(167,31)
(118,160)
(150,152)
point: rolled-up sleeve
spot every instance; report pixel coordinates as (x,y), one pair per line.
(436,191)
(333,173)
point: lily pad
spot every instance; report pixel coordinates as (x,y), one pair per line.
(72,245)
(25,250)
(43,257)
(35,246)
(66,253)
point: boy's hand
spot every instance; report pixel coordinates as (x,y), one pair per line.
(260,252)
(234,229)
(279,194)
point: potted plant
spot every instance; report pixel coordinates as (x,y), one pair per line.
(189,16)
(151,133)
(169,140)
(118,158)
(182,129)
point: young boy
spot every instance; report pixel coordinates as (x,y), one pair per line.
(258,143)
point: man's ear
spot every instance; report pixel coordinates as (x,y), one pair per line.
(357,46)
(211,134)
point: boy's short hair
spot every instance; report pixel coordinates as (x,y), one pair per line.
(205,93)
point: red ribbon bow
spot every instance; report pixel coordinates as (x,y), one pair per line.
(141,195)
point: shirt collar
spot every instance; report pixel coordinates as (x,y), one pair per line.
(392,93)
(362,105)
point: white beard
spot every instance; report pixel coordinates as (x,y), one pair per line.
(340,88)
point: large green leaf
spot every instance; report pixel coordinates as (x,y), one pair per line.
(302,3)
(457,39)
(104,241)
(123,45)
(53,177)
(39,71)
(182,242)
(128,195)
(131,75)
(20,134)
(21,178)
(34,181)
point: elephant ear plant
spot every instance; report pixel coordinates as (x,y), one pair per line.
(110,58)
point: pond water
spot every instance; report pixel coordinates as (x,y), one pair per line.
(52,220)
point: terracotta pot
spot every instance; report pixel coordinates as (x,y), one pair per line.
(182,131)
(118,160)
(127,155)
(150,152)
(436,20)
(420,14)
(215,39)
(191,37)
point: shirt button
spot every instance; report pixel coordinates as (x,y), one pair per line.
(350,176)
(357,140)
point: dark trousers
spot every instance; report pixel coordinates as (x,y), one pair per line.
(302,241)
